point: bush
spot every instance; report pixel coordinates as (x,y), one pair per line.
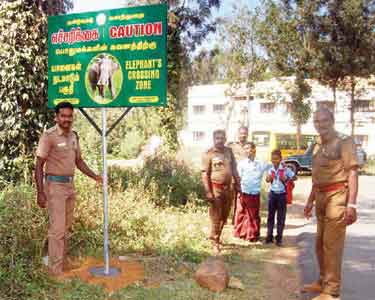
(139,221)
(169,182)
(129,146)
(22,230)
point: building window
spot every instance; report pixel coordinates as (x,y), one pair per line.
(218,108)
(198,136)
(239,98)
(261,138)
(199,109)
(325,104)
(268,107)
(364,106)
(288,107)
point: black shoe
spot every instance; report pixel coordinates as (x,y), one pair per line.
(269,240)
(279,243)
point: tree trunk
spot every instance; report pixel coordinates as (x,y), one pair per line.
(352,107)
(298,136)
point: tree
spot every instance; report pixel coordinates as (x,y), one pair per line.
(23,82)
(283,35)
(54,7)
(242,60)
(300,108)
(206,66)
(343,35)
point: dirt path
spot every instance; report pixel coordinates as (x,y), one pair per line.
(267,272)
(283,270)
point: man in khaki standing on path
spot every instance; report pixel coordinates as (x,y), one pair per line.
(239,152)
(334,191)
(59,151)
(218,168)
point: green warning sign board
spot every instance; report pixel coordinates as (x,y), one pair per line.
(111,58)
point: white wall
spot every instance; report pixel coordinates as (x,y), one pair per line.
(248,112)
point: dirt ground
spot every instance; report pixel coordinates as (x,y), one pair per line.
(130,271)
(284,276)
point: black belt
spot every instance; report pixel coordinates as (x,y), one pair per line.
(278,193)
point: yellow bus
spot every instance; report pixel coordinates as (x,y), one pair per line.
(267,141)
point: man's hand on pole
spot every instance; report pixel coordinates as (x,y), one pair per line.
(99,180)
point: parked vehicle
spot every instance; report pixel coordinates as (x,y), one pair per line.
(304,162)
(267,141)
(361,155)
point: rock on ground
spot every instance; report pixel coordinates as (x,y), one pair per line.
(212,274)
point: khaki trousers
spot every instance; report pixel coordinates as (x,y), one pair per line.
(60,201)
(219,212)
(330,209)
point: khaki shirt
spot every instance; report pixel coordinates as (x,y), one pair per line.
(59,150)
(332,161)
(220,166)
(238,150)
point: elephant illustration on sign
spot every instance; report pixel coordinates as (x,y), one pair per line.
(101,73)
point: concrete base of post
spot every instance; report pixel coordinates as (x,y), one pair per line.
(101,272)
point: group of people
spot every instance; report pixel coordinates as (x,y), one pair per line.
(233,173)
(334,191)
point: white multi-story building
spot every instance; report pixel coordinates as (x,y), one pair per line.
(265,110)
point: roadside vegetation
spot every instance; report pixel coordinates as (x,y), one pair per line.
(156,215)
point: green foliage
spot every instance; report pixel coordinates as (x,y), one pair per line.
(139,221)
(23,82)
(301,108)
(22,231)
(169,182)
(53,7)
(206,67)
(283,34)
(342,41)
(242,61)
(129,146)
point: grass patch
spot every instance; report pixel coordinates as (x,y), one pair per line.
(147,220)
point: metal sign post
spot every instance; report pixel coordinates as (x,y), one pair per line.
(106,270)
(105,191)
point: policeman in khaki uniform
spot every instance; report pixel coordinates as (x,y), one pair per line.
(239,152)
(334,191)
(238,147)
(218,168)
(59,151)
